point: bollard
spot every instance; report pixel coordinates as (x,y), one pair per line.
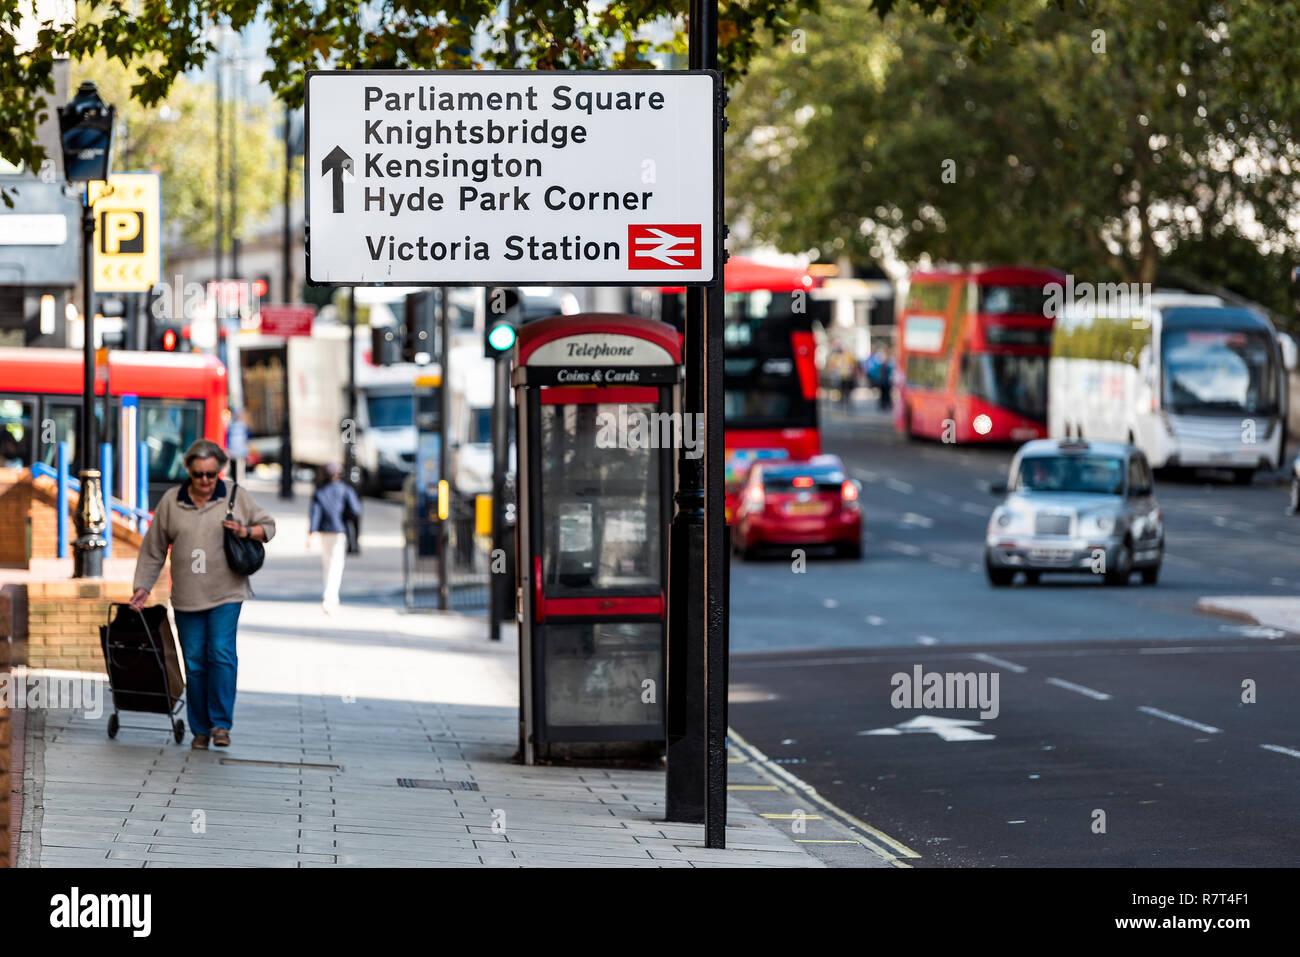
(61,477)
(106,470)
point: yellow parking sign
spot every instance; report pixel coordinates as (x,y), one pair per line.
(128,227)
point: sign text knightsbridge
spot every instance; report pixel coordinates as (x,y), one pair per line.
(491,177)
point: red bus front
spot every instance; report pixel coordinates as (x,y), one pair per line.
(769,366)
(182,397)
(973,355)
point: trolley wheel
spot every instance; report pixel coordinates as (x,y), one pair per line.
(178,731)
(112,725)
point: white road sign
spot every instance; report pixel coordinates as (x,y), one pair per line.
(504,177)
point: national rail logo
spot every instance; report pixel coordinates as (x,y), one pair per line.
(660,246)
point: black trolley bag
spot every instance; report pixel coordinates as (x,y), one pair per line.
(144,669)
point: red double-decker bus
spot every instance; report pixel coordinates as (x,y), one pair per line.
(973,349)
(769,363)
(181,397)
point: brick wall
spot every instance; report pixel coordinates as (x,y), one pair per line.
(12,627)
(63,620)
(15,505)
(29,526)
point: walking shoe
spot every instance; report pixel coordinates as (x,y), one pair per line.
(200,743)
(221,737)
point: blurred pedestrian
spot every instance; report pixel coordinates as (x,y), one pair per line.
(206,593)
(885,379)
(334,505)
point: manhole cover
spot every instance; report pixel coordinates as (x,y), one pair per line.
(298,765)
(432,785)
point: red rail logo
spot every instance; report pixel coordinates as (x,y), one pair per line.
(672,246)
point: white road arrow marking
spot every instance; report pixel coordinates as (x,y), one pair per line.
(950,729)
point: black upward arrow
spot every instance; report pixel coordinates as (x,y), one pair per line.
(337,162)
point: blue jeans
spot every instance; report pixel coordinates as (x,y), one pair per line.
(208,641)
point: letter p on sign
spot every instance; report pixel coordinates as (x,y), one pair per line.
(121,231)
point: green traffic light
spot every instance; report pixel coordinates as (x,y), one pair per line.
(501,337)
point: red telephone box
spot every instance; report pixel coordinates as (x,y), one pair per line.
(598,421)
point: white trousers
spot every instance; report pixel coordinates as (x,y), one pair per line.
(334,551)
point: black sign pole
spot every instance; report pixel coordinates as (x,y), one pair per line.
(499,593)
(444,454)
(685,789)
(715,545)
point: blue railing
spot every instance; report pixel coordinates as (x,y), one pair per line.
(65,483)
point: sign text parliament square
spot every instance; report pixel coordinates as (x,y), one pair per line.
(510,177)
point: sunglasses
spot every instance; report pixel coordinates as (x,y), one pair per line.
(204,475)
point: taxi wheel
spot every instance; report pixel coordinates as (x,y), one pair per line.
(999,577)
(1031,578)
(853,552)
(1123,570)
(1151,575)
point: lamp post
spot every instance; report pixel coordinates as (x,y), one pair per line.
(86,132)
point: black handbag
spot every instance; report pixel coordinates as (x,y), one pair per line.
(243,555)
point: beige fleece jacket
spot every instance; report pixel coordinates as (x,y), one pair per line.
(201,579)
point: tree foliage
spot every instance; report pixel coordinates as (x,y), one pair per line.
(177,138)
(162,40)
(1145,131)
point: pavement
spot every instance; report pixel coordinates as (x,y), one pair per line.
(377,737)
(1271,613)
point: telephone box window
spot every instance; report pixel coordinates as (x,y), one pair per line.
(596,673)
(600,502)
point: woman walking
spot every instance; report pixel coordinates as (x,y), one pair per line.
(206,593)
(331,507)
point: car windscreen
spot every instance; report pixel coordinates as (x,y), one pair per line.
(1097,474)
(1219,372)
(390,411)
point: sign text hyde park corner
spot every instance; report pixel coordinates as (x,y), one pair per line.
(487,177)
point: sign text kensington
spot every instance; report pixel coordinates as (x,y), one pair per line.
(500,177)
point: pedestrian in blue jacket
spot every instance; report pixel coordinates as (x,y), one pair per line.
(332,506)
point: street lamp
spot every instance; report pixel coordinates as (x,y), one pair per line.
(86,131)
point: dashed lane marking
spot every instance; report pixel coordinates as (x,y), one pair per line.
(903,547)
(1079,689)
(1000,662)
(898,485)
(912,518)
(752,787)
(794,817)
(971,508)
(1188,722)
(872,838)
(1281,750)
(946,560)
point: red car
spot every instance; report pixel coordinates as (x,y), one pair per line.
(798,503)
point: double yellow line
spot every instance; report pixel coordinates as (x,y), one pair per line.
(872,838)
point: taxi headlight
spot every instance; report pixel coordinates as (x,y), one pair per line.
(1006,521)
(1102,524)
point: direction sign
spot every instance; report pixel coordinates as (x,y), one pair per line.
(506,177)
(287,320)
(128,232)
